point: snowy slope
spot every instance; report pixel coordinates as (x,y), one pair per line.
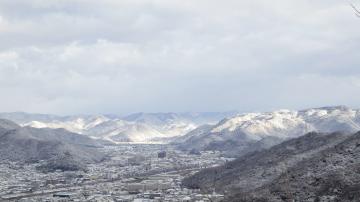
(140,127)
(73,124)
(283,124)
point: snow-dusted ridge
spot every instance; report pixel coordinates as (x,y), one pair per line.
(289,123)
(281,124)
(136,128)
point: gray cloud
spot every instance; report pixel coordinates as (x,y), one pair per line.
(113,56)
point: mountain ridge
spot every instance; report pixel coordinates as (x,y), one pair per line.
(246,129)
(60,148)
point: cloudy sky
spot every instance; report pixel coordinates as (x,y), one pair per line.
(122,56)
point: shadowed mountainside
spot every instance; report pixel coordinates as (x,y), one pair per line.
(59,148)
(314,167)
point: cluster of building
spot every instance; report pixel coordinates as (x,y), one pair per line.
(132,173)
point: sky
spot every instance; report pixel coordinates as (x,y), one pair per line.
(124,56)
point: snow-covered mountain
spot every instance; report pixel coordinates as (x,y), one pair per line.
(139,127)
(246,130)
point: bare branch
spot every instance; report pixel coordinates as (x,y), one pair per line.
(356,10)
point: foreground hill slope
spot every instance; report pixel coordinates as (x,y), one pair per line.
(314,167)
(58,147)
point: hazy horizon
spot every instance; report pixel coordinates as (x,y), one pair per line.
(181,112)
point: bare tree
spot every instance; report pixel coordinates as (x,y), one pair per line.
(356,9)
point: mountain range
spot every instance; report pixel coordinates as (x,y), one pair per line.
(139,127)
(235,134)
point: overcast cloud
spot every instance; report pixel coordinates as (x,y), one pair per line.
(122,56)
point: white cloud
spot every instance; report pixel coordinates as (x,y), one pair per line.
(155,55)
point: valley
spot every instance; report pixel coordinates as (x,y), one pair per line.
(131,172)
